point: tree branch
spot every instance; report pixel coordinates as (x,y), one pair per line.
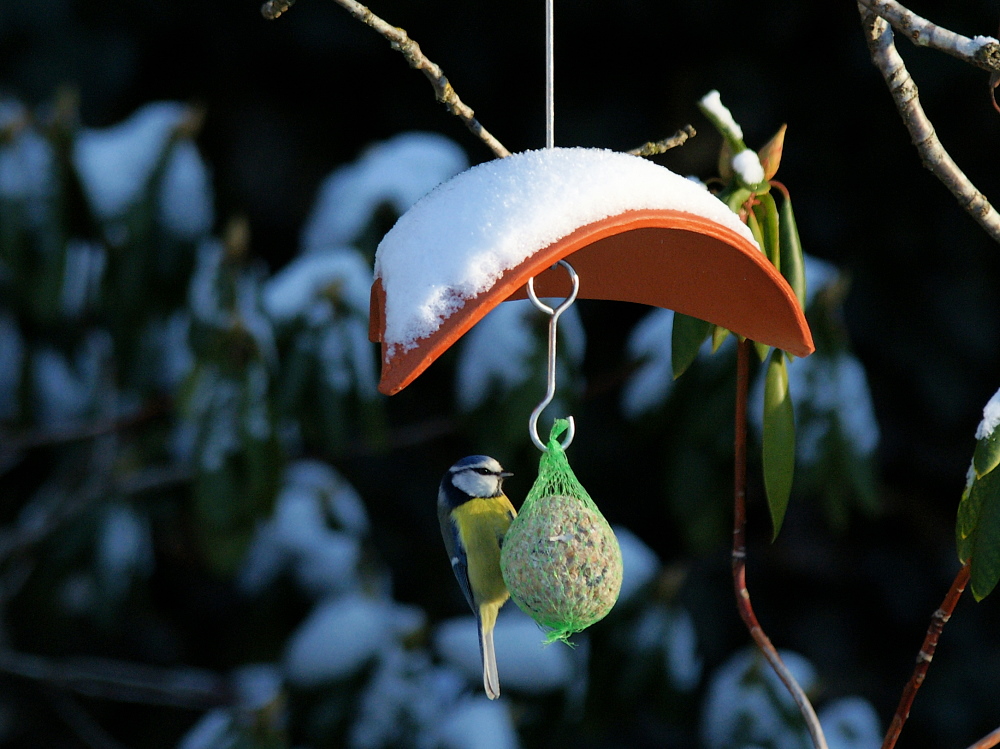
(122,681)
(933,155)
(652,148)
(739,554)
(988,741)
(981,51)
(926,655)
(402,43)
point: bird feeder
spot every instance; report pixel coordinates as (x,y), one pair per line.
(634,231)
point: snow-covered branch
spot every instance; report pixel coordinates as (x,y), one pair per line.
(981,51)
(410,50)
(881,44)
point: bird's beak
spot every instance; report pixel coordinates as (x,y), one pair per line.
(505,474)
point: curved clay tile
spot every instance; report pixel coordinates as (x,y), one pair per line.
(703,266)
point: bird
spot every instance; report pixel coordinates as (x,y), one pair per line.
(475,514)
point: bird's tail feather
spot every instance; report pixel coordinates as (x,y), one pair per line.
(491,679)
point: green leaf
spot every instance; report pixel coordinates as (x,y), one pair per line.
(735,197)
(983,502)
(779,439)
(686,338)
(766,212)
(987,455)
(719,336)
(968,516)
(762,350)
(793,266)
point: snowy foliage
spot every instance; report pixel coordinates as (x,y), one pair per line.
(504,350)
(125,548)
(526,663)
(747,166)
(397,172)
(67,388)
(650,344)
(118,163)
(343,634)
(639,563)
(315,531)
(668,633)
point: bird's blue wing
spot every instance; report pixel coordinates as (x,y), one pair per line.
(457,557)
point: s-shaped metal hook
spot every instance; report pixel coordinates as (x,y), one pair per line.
(550,390)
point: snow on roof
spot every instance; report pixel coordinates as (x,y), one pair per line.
(460,238)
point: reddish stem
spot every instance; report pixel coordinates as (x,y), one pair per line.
(988,741)
(924,658)
(739,554)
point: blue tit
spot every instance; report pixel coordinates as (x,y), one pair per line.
(475,514)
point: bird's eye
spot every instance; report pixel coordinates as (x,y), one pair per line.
(483,471)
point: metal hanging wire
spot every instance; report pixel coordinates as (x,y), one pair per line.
(550,388)
(550,65)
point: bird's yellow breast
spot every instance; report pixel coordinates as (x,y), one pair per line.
(481,525)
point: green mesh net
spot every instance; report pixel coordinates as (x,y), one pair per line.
(560,558)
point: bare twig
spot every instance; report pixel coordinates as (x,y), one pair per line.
(661,146)
(988,741)
(739,553)
(401,42)
(981,51)
(926,655)
(933,155)
(122,681)
(274,8)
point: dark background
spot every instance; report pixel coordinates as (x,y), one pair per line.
(288,101)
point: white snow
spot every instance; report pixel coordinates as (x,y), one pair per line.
(684,664)
(397,172)
(991,417)
(712,102)
(748,168)
(407,694)
(829,392)
(124,549)
(67,389)
(457,241)
(499,351)
(850,723)
(478,723)
(337,638)
(525,663)
(304,283)
(651,383)
(26,169)
(820,274)
(639,563)
(298,535)
(669,633)
(185,200)
(747,700)
(116,163)
(257,685)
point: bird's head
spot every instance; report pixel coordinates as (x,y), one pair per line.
(477,476)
